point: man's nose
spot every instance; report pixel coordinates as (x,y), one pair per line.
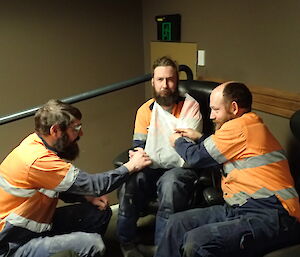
(165,83)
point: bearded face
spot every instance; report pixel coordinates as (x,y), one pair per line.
(223,115)
(166,97)
(66,148)
(218,123)
(165,85)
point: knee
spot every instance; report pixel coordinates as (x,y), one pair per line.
(175,222)
(90,243)
(132,185)
(190,244)
(167,182)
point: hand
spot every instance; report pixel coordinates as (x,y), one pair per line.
(190,133)
(137,149)
(139,159)
(174,137)
(101,201)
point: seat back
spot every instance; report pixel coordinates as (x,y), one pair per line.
(200,90)
(294,149)
(295,124)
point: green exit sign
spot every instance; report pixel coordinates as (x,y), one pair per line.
(168,27)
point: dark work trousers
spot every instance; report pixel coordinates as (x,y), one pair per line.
(173,188)
(77,228)
(225,231)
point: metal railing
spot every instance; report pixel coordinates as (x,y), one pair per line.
(91,94)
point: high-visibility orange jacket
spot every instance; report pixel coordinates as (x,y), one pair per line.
(254,164)
(31,178)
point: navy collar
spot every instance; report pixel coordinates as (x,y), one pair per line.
(46,144)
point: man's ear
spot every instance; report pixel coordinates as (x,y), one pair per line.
(55,130)
(234,108)
(152,82)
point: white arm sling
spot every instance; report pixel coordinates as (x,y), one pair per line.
(162,125)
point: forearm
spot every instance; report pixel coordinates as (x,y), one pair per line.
(194,154)
(100,183)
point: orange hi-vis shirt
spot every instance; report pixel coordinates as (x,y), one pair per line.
(143,118)
(31,177)
(254,163)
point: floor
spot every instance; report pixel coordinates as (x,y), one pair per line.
(145,228)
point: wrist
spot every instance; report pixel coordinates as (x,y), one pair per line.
(129,167)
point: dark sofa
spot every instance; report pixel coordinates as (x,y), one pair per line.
(207,186)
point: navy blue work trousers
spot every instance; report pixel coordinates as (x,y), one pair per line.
(174,189)
(224,231)
(75,227)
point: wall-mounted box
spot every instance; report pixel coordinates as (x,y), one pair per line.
(168,27)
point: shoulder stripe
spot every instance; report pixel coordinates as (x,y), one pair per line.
(213,151)
(49,193)
(15,191)
(68,180)
(21,192)
(256,161)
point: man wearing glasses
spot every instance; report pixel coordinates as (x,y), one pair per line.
(36,174)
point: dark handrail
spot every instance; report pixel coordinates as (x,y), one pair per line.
(77,98)
(90,94)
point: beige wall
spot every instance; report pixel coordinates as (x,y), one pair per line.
(58,48)
(55,49)
(255,41)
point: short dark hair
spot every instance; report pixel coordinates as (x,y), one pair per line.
(55,112)
(164,61)
(239,93)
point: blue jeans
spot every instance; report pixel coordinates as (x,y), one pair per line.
(76,227)
(173,187)
(225,231)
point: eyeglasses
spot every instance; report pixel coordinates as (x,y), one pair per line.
(77,128)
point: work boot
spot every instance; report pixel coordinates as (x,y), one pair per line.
(130,250)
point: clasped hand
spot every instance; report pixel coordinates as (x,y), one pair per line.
(138,159)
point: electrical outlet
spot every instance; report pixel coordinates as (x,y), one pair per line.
(201,57)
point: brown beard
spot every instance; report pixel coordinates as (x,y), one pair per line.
(218,125)
(66,149)
(167,100)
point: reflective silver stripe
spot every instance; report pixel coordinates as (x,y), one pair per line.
(139,136)
(256,161)
(262,193)
(68,180)
(49,193)
(31,225)
(287,193)
(19,192)
(238,198)
(241,197)
(213,151)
